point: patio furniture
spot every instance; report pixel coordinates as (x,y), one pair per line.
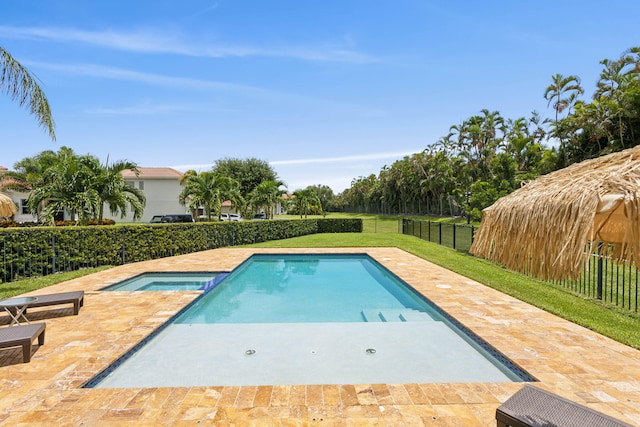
(22,335)
(534,407)
(16,307)
(76,298)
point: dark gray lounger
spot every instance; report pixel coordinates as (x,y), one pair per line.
(76,298)
(532,406)
(13,336)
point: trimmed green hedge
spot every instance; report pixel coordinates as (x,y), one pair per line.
(28,252)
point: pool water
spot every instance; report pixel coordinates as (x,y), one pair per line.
(303,288)
(309,319)
(171,281)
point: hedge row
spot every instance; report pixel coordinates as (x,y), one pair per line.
(28,252)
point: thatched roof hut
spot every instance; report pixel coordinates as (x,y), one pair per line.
(551,225)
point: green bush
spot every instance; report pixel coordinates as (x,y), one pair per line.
(353,225)
(38,251)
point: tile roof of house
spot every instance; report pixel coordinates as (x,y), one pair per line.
(2,168)
(161,173)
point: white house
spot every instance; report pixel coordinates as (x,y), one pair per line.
(161,187)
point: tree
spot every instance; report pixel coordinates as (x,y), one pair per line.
(20,85)
(67,185)
(208,190)
(113,190)
(265,196)
(63,180)
(248,172)
(560,90)
(306,202)
(325,195)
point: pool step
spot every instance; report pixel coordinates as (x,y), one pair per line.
(386,315)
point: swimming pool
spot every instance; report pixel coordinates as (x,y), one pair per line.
(333,319)
(169,281)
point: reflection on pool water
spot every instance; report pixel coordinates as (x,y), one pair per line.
(310,319)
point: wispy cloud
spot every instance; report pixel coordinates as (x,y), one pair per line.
(168,42)
(154,109)
(342,159)
(356,158)
(115,73)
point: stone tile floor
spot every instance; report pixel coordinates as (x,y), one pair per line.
(569,360)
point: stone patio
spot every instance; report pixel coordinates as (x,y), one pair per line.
(569,360)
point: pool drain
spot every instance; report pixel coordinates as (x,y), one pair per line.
(250,352)
(370,351)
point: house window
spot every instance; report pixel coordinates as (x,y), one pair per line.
(23,206)
(141,185)
(130,183)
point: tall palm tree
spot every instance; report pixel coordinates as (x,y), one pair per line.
(67,186)
(208,190)
(113,190)
(17,82)
(266,195)
(559,89)
(305,201)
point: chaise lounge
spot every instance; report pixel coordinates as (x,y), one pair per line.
(534,407)
(22,335)
(76,298)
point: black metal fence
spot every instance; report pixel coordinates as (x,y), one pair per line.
(608,281)
(601,279)
(454,236)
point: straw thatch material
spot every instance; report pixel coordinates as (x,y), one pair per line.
(550,226)
(7,207)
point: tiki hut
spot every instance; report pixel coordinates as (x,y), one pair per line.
(550,226)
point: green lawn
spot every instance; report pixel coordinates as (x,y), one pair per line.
(18,287)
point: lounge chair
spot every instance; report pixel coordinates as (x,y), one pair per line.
(22,335)
(534,407)
(76,298)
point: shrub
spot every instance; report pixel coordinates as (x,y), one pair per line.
(39,251)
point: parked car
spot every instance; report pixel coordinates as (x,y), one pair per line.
(172,218)
(260,216)
(230,217)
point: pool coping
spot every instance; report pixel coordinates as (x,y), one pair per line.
(567,359)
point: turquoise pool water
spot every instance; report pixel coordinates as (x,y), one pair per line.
(303,288)
(309,319)
(170,281)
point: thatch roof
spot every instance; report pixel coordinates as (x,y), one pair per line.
(550,226)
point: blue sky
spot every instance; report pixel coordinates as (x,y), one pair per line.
(326,91)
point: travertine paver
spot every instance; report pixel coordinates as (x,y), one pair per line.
(567,359)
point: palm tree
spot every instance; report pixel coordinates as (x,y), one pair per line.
(305,201)
(560,87)
(113,190)
(266,195)
(67,186)
(208,190)
(17,82)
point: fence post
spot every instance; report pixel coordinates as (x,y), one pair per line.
(454,236)
(4,259)
(124,256)
(429,231)
(53,251)
(599,272)
(439,233)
